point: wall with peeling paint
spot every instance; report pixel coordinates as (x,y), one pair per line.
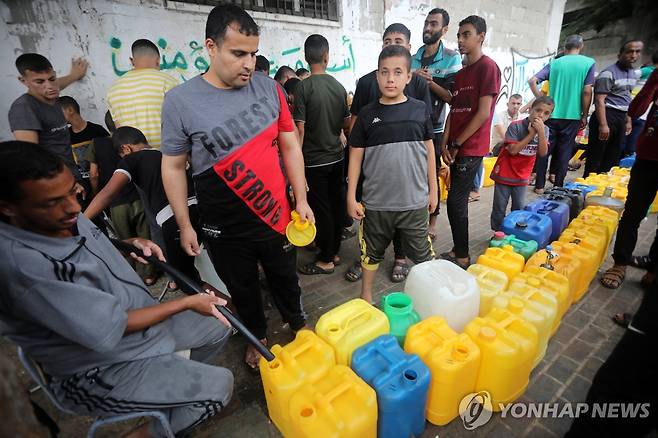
(103,30)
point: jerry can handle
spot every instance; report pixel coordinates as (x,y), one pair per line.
(326,401)
(355,317)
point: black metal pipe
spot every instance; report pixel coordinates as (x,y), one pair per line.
(181,278)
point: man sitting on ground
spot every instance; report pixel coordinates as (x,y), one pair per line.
(73,303)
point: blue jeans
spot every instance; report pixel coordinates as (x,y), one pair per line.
(502,193)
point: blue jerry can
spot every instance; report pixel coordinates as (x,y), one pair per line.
(557,212)
(526,225)
(401,382)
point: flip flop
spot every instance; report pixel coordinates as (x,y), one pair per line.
(313,269)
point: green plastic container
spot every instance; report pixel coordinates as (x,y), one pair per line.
(398,308)
(524,247)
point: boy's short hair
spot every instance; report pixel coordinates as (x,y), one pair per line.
(69,102)
(478,23)
(392,51)
(127,135)
(516,96)
(543,99)
(262,64)
(143,47)
(315,48)
(222,16)
(282,71)
(444,15)
(23,161)
(398,28)
(34,62)
(573,42)
(301,71)
(291,85)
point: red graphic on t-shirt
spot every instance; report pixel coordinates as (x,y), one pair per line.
(254,174)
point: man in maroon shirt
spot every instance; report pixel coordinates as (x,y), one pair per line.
(642,186)
(468,128)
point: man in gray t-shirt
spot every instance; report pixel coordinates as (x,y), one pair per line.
(74,304)
(609,123)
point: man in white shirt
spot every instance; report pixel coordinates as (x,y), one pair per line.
(502,120)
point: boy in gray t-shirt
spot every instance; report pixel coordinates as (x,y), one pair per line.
(391,143)
(37,116)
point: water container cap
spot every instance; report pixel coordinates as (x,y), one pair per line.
(460,351)
(499,235)
(515,305)
(300,233)
(487,333)
(522,224)
(534,282)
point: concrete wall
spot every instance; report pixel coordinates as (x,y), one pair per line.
(520,37)
(604,46)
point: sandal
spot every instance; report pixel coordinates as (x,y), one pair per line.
(432,236)
(539,191)
(473,198)
(622,319)
(354,273)
(451,258)
(642,262)
(313,269)
(252,357)
(399,272)
(613,277)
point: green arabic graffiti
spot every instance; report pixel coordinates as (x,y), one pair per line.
(178,61)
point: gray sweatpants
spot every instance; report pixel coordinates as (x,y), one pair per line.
(187,391)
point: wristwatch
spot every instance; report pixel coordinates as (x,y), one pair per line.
(454,145)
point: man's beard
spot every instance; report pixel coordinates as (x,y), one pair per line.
(431,38)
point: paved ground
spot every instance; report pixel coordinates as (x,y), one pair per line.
(584,340)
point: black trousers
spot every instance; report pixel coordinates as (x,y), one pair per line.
(236,263)
(560,149)
(642,189)
(628,376)
(176,256)
(326,199)
(602,155)
(462,172)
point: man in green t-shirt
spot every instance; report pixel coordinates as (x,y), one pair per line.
(571,78)
(321,113)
